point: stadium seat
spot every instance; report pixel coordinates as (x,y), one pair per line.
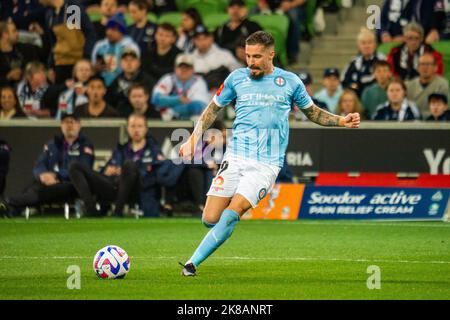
(214,20)
(181,4)
(152,17)
(95,16)
(205,7)
(278,26)
(385,48)
(174,18)
(444,48)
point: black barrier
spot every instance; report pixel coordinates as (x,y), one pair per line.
(376,147)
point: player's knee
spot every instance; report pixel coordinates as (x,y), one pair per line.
(208,221)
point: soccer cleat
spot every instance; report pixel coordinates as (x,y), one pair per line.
(188,270)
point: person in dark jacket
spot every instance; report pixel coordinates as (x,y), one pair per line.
(142,31)
(51,171)
(128,177)
(397,108)
(438,104)
(5,152)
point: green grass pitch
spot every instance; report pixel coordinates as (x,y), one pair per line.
(262,259)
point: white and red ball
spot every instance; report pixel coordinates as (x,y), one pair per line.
(111,262)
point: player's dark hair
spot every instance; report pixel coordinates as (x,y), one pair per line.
(262,38)
(168,27)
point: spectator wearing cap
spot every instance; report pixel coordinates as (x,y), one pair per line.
(138,102)
(332,90)
(142,31)
(108,52)
(404,59)
(51,183)
(308,82)
(238,26)
(438,104)
(190,19)
(159,56)
(375,94)
(68,44)
(213,62)
(358,75)
(96,107)
(130,65)
(9,104)
(428,82)
(181,94)
(108,8)
(397,108)
(33,93)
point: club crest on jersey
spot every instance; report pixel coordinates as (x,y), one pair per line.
(279,81)
(262,193)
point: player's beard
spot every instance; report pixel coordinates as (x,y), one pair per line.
(256,76)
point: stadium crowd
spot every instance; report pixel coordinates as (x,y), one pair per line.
(145,59)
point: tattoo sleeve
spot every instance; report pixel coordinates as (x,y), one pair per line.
(206,120)
(321,117)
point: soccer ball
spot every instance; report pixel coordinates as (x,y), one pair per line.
(111,262)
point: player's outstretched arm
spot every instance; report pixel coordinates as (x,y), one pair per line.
(207,118)
(327,119)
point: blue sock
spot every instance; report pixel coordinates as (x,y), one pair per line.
(207,224)
(215,237)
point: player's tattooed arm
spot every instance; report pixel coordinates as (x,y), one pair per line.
(325,118)
(321,117)
(207,118)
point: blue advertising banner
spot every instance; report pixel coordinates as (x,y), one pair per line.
(374,203)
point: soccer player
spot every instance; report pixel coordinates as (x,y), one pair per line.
(264,97)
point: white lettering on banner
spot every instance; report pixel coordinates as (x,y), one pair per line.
(435,160)
(396,198)
(394,210)
(354,210)
(299,159)
(322,210)
(346,198)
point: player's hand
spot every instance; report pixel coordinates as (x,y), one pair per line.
(48,178)
(352,120)
(187,150)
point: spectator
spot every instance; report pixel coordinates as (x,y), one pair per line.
(68,44)
(375,94)
(108,8)
(396,14)
(5,152)
(32,92)
(97,106)
(428,82)
(181,94)
(211,61)
(160,55)
(9,104)
(438,104)
(404,58)
(238,26)
(332,90)
(14,55)
(349,103)
(359,73)
(138,102)
(22,12)
(440,22)
(128,177)
(397,108)
(308,82)
(51,172)
(73,93)
(108,52)
(190,19)
(130,65)
(142,31)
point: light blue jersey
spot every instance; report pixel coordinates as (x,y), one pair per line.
(261,127)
